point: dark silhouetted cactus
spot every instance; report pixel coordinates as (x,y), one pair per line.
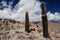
(44,21)
(27,23)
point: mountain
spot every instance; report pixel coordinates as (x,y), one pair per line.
(56,21)
(15,30)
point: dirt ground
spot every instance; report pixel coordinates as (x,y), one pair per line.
(16,31)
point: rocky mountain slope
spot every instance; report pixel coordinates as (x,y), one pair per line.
(15,30)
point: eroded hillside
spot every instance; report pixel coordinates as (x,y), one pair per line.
(15,30)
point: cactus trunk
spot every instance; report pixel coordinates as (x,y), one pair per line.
(26,22)
(44,21)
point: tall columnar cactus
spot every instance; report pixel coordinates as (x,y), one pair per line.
(27,22)
(44,21)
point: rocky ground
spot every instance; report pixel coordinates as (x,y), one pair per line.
(15,30)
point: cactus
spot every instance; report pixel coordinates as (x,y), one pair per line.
(27,22)
(44,21)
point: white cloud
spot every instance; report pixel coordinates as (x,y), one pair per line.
(32,6)
(54,16)
(4,3)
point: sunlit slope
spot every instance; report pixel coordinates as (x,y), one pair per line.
(14,29)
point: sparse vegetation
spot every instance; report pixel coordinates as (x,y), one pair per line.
(36,32)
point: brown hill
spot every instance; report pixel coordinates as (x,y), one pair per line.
(11,28)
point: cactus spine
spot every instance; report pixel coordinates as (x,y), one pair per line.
(44,21)
(27,22)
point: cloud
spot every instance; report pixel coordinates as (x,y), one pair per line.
(4,3)
(54,16)
(33,8)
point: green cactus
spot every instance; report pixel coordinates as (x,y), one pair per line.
(26,22)
(44,21)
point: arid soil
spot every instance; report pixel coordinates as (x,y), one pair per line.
(15,30)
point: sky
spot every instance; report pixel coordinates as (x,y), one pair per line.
(52,5)
(16,9)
